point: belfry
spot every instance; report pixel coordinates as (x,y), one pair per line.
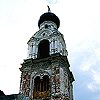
(45,74)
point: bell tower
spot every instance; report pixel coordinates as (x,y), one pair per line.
(45,74)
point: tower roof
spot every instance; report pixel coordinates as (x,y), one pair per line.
(48,16)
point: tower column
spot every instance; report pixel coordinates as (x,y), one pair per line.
(46,74)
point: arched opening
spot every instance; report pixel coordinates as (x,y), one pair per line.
(41,87)
(45,83)
(37,84)
(43,49)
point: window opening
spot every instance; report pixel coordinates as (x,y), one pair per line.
(46,26)
(43,49)
(41,87)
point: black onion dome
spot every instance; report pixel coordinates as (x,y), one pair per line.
(49,17)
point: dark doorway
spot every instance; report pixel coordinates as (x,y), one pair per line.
(43,49)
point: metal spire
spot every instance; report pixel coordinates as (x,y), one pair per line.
(48,9)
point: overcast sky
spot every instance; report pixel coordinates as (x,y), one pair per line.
(80,25)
